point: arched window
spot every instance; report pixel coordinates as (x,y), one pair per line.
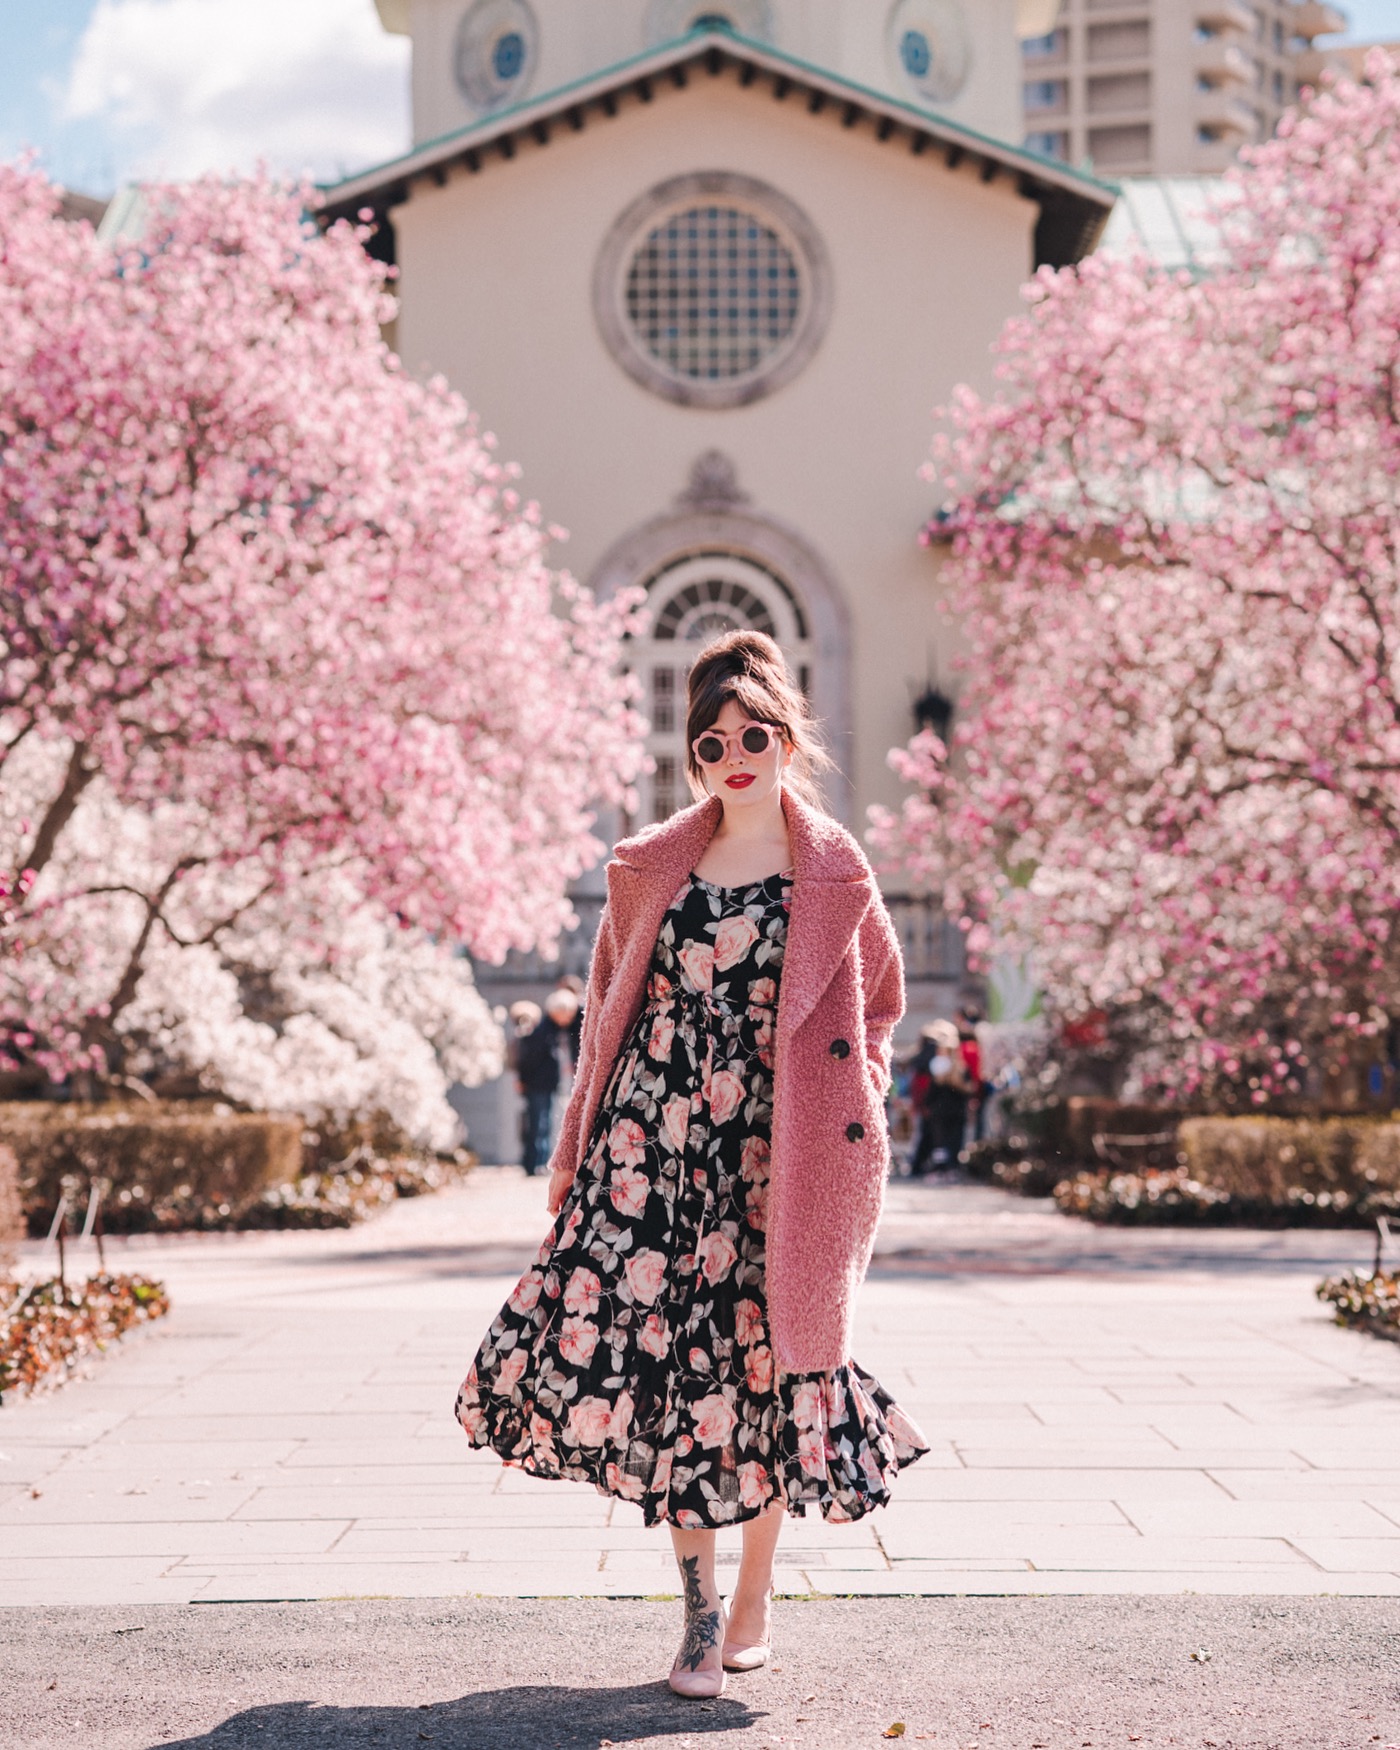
(692,599)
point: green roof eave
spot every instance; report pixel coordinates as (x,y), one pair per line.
(378,184)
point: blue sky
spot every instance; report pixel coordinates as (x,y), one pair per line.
(108,90)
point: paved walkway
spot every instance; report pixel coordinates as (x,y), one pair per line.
(585,1674)
(1114,1412)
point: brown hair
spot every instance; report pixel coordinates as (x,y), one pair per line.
(749,668)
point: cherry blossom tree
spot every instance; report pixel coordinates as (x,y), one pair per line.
(1176,551)
(278,614)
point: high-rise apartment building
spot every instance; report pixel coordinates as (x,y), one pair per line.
(1168,87)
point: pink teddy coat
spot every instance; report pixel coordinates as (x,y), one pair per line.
(841,994)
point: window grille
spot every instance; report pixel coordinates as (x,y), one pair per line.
(694,597)
(713,292)
(663,700)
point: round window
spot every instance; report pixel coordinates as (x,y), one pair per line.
(712,290)
(495,52)
(930,45)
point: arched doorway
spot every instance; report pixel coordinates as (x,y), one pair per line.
(712,563)
(692,598)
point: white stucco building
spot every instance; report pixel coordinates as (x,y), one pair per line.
(705,271)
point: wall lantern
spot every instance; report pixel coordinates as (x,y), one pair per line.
(933,709)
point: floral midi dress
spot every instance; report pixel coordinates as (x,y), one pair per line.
(635,1353)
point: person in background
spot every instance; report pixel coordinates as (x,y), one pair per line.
(534,1056)
(945,1096)
(970,1050)
(570,984)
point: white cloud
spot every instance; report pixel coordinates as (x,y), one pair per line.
(184,86)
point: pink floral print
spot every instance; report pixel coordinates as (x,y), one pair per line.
(636,1354)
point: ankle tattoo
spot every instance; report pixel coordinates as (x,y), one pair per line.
(701,1623)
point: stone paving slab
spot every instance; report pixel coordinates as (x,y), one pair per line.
(1039,1673)
(1128,1412)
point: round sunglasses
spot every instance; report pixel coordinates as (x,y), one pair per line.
(714,745)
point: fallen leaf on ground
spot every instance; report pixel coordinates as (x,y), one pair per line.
(894,1731)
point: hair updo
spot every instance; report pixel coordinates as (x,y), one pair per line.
(749,668)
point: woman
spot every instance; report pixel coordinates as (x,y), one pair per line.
(682,1340)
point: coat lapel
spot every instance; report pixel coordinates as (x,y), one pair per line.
(831,893)
(645,874)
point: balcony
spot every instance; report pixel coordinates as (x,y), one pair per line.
(1226,15)
(1310,64)
(1220,62)
(1211,157)
(1313,18)
(1225,117)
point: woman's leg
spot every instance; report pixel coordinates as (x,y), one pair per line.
(749,1614)
(699,1658)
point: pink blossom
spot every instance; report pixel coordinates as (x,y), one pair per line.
(627,1142)
(509,1372)
(1177,772)
(748,1322)
(716,1254)
(578,1338)
(628,1190)
(590,1421)
(755,1486)
(581,1292)
(525,1295)
(714,1419)
(759,1369)
(726,1095)
(811,1452)
(663,1033)
(754,1154)
(763,993)
(733,939)
(698,963)
(675,1119)
(654,1337)
(471,1415)
(808,1404)
(280,616)
(645,1273)
(623,1483)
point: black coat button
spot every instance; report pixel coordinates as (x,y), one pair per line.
(840,1048)
(854,1132)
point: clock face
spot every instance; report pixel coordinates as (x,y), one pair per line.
(496,49)
(930,44)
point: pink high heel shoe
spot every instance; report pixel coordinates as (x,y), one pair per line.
(747,1658)
(688,1678)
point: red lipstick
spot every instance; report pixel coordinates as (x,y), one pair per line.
(740,781)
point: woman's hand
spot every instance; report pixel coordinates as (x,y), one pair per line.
(559,1182)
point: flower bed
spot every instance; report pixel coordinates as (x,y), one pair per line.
(1369,1303)
(46,1330)
(1174,1196)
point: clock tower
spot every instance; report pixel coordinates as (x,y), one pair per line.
(959,58)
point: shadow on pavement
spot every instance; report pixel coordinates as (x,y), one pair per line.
(545,1717)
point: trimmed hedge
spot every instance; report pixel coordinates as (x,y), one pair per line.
(1278,1159)
(167,1166)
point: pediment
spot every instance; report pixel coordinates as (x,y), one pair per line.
(1073,205)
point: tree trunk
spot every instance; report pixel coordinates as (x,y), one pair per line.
(75,780)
